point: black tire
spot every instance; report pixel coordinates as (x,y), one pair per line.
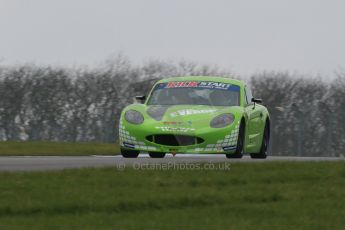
(157,154)
(129,153)
(240,143)
(264,144)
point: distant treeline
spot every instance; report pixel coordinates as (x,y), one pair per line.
(84,104)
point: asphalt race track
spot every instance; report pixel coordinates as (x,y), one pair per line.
(42,163)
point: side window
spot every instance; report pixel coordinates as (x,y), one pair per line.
(249,95)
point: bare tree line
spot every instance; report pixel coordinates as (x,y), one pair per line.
(83,104)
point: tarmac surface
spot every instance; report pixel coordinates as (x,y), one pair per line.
(42,163)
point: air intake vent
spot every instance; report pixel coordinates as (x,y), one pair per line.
(174,140)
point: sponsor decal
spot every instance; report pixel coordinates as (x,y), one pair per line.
(172,123)
(178,84)
(174,129)
(199,84)
(177,123)
(185,112)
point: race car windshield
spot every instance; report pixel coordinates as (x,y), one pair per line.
(195,93)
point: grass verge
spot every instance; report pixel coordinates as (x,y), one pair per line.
(291,195)
(42,148)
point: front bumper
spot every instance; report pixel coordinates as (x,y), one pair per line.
(216,140)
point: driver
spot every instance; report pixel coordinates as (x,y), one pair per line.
(182,97)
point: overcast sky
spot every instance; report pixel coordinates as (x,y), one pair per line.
(245,36)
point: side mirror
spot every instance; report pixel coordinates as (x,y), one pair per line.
(256,100)
(141,99)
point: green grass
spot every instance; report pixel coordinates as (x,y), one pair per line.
(293,195)
(42,148)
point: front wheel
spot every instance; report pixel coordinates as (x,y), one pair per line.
(156,155)
(240,143)
(129,153)
(264,145)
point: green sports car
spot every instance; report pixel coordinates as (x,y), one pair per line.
(198,115)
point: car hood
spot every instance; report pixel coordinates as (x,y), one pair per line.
(193,116)
(183,112)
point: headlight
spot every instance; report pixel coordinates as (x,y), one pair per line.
(134,117)
(222,120)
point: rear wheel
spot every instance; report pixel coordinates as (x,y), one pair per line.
(129,153)
(157,154)
(264,145)
(240,143)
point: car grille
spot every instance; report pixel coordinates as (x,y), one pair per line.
(174,140)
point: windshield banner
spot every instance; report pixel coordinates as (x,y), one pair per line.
(198,84)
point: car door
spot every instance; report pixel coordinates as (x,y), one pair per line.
(254,123)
